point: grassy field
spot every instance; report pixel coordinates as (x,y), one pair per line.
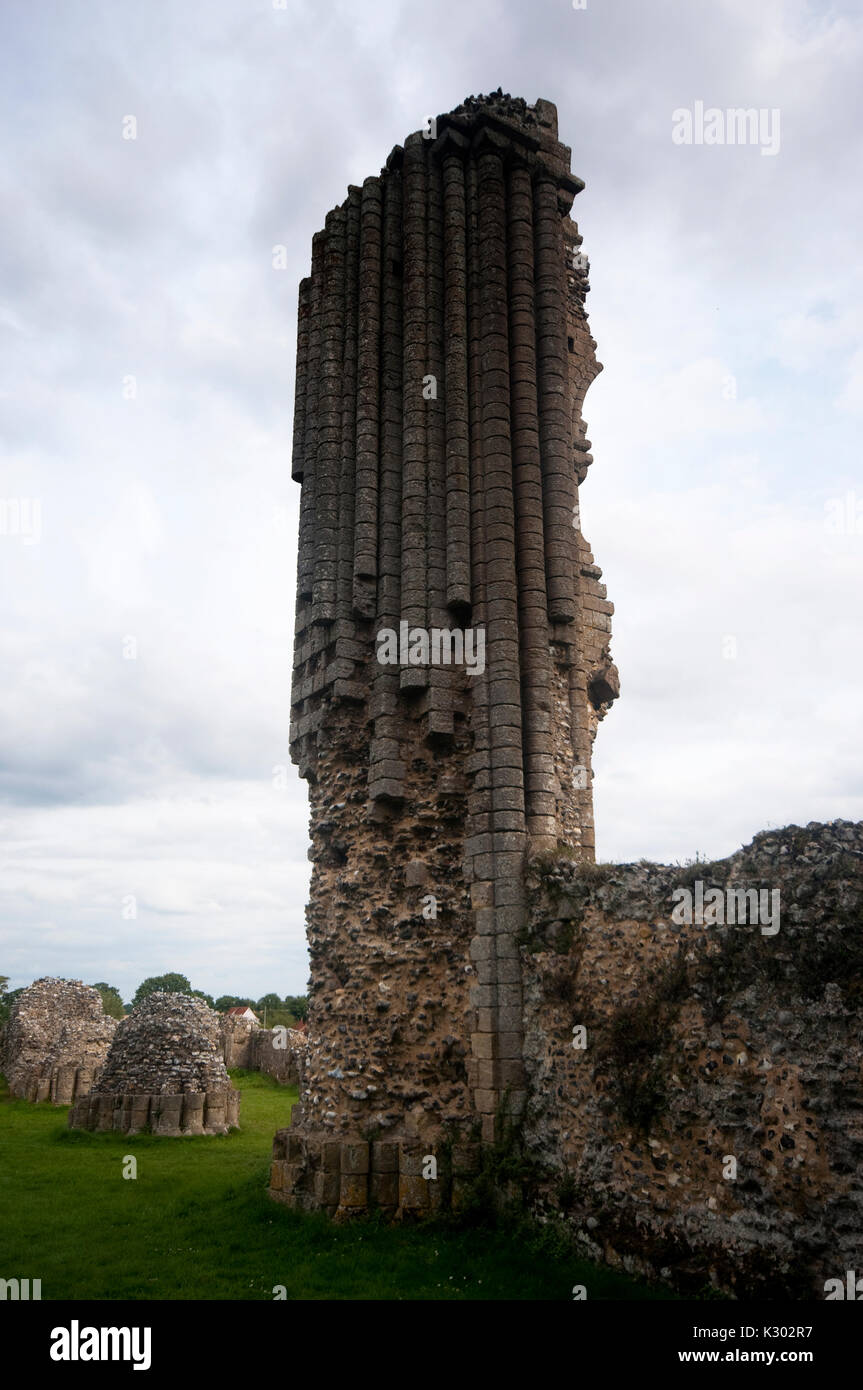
(196,1223)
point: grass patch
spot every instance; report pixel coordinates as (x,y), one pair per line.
(197,1223)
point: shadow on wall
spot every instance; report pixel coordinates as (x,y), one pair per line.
(694,1052)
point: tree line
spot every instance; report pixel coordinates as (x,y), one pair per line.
(272,1009)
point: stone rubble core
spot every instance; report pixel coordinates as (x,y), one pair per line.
(703,1043)
(443,356)
(56,1041)
(164,1073)
(470,964)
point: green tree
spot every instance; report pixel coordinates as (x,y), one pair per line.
(281,1018)
(298,1005)
(172,983)
(231,1001)
(112,1004)
(7,999)
(207,998)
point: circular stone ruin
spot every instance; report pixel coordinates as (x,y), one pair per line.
(56,1041)
(164,1073)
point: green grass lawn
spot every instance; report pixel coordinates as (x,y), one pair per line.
(196,1223)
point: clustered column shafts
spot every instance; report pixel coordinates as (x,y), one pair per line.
(348,466)
(539,775)
(442,358)
(439,715)
(555,434)
(368,402)
(386,769)
(456,389)
(329,413)
(415,367)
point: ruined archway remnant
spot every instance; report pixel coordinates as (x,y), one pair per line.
(56,1041)
(451,652)
(164,1073)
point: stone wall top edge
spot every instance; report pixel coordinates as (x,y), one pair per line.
(539,138)
(780,852)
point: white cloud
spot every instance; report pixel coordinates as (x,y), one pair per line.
(171,517)
(851,395)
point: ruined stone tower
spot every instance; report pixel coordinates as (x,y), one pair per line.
(451,652)
(164,1072)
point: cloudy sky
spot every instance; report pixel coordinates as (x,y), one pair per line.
(147,517)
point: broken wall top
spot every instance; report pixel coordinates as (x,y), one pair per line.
(170,1043)
(55,1023)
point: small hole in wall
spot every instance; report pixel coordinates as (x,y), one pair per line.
(570,342)
(396,267)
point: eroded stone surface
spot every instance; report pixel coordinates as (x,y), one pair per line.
(443,355)
(279,1053)
(458,930)
(164,1072)
(704,1043)
(56,1040)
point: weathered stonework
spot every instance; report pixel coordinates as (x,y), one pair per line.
(280,1055)
(56,1041)
(237,1040)
(277,1053)
(688,1095)
(443,356)
(164,1073)
(703,1043)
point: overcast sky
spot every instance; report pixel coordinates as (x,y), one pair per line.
(148,522)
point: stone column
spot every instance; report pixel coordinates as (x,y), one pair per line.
(438,441)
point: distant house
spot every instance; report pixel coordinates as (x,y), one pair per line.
(243,1011)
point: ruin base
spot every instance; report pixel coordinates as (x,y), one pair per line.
(346,1178)
(193,1112)
(59,1085)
